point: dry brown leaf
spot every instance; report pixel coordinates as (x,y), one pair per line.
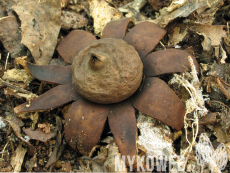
(188,8)
(30,164)
(38,134)
(206,13)
(53,157)
(222,137)
(214,32)
(72,20)
(45,127)
(16,123)
(177,36)
(10,35)
(40,23)
(2,11)
(8,4)
(102,14)
(18,158)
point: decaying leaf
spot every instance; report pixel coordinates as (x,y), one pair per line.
(221,71)
(10,35)
(8,4)
(222,137)
(30,164)
(18,158)
(2,12)
(17,75)
(40,23)
(177,36)
(214,32)
(38,134)
(72,20)
(45,127)
(102,14)
(53,157)
(206,13)
(16,123)
(182,9)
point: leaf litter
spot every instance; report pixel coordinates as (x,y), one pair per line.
(40,23)
(37,28)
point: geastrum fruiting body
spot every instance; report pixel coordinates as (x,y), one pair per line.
(103,82)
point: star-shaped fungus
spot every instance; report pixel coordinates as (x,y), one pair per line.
(108,78)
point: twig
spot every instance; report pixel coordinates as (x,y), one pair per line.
(12,146)
(215,101)
(163,45)
(7,59)
(222,89)
(125,8)
(4,149)
(14,87)
(224,82)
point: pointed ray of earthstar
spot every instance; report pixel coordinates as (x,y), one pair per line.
(167,61)
(56,74)
(73,43)
(117,28)
(157,100)
(144,37)
(122,122)
(84,125)
(53,98)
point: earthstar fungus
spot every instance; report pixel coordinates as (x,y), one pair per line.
(109,73)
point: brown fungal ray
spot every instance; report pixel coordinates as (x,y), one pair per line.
(53,98)
(73,43)
(144,37)
(122,122)
(84,125)
(167,61)
(57,74)
(157,100)
(117,28)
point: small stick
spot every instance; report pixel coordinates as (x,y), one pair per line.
(7,60)
(14,87)
(224,82)
(222,104)
(163,45)
(222,89)
(4,149)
